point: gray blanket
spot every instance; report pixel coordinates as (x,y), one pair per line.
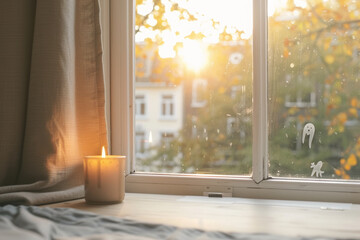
(35,223)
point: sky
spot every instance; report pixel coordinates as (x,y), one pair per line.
(232,14)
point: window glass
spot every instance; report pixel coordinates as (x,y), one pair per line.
(140,143)
(194,64)
(314,97)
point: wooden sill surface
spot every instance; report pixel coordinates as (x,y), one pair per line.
(290,218)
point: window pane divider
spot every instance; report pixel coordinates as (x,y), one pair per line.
(260,132)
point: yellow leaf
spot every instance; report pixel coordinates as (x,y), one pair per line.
(331,131)
(140,74)
(314,20)
(347,50)
(301,118)
(341,128)
(352,160)
(342,117)
(353,111)
(327,43)
(338,172)
(139,65)
(221,90)
(354,102)
(347,167)
(293,110)
(329,59)
(345,176)
(286,53)
(342,161)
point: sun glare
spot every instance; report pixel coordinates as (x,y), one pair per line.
(194,54)
(103,154)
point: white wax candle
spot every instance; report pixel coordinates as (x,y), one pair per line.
(104,178)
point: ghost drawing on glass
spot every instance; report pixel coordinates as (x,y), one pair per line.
(309,130)
(317,169)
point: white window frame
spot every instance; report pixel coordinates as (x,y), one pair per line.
(258,185)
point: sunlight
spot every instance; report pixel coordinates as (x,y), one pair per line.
(275,5)
(231,13)
(194,55)
(279,5)
(150,137)
(166,51)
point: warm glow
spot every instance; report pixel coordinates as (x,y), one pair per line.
(194,54)
(150,137)
(103,154)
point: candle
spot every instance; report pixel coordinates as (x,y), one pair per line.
(104,178)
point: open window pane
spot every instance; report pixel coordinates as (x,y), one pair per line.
(314,97)
(194,75)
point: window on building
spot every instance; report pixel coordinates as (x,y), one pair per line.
(199,93)
(166,138)
(140,106)
(140,143)
(167,106)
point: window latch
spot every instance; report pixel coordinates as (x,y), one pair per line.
(217,191)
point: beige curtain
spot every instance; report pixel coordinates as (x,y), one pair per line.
(51,98)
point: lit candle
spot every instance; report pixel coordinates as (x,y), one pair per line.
(104,178)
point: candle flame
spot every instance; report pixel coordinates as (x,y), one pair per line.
(103,154)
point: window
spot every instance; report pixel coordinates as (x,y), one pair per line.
(300,96)
(140,141)
(199,93)
(167,106)
(140,106)
(166,137)
(255,105)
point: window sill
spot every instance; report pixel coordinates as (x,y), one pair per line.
(277,188)
(198,104)
(141,118)
(306,219)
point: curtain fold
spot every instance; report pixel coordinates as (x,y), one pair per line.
(52,107)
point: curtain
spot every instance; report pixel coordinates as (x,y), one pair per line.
(52,107)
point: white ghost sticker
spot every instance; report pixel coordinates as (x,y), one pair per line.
(309,130)
(317,169)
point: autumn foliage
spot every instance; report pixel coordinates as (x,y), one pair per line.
(314,72)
